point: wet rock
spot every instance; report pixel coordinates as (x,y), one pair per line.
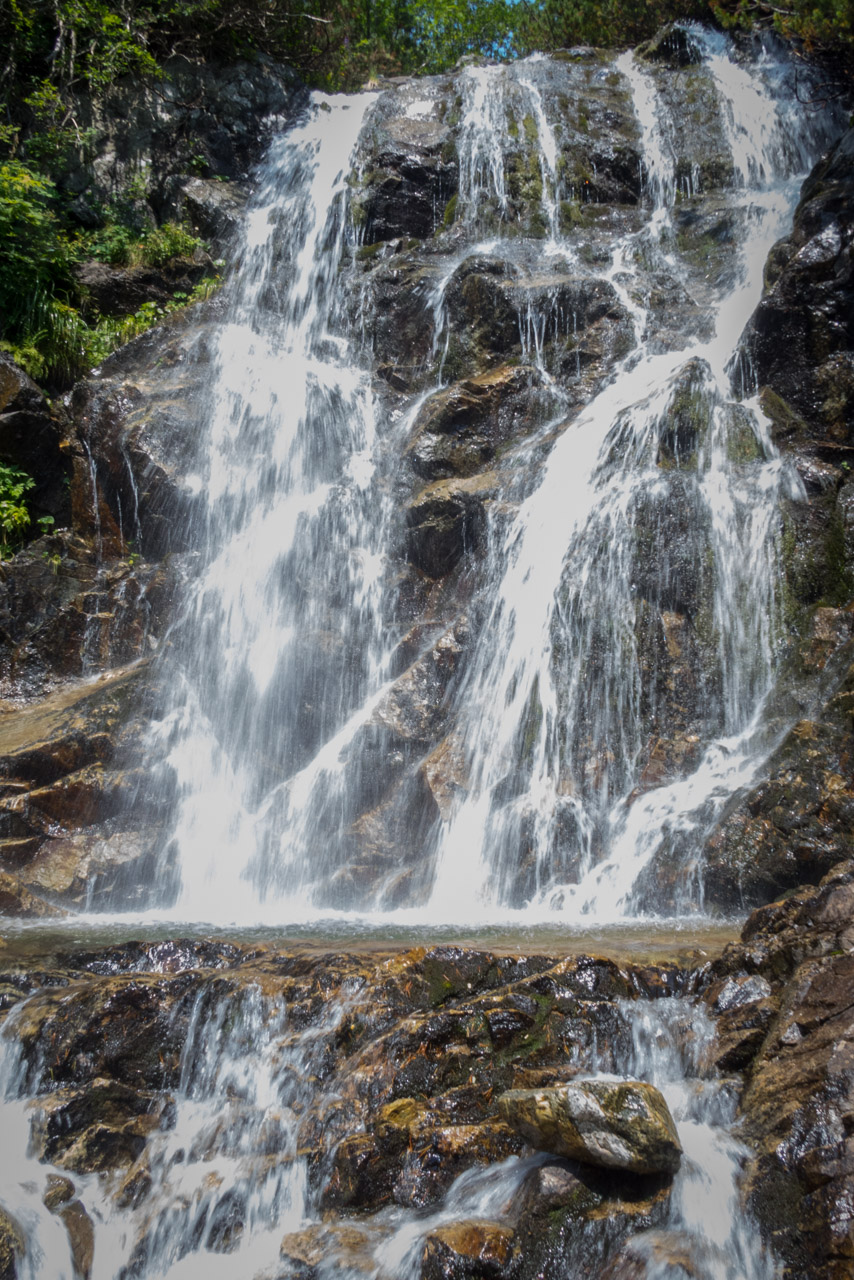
(467,1250)
(413,174)
(102,1127)
(81,1237)
(796,824)
(446,523)
(800,337)
(54,779)
(60,1191)
(413,708)
(11,1246)
(459,430)
(743,1009)
(64,614)
(91,865)
(692,123)
(308,1252)
(795,1106)
(557,1205)
(624,1125)
(138,423)
(18,902)
(658,1255)
(127,1029)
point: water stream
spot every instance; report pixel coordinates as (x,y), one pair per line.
(659,497)
(661,494)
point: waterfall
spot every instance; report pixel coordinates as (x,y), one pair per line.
(642,514)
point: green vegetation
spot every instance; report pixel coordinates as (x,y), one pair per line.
(54,51)
(823,25)
(15,518)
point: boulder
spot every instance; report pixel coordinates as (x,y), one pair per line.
(613,1124)
(468,1250)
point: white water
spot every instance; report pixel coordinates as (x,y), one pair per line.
(281,664)
(224,1178)
(568,567)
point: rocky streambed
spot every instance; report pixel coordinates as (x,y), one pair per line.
(465,1112)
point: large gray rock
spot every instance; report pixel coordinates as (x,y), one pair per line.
(617,1124)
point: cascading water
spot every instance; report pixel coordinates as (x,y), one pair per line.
(637,511)
(657,500)
(645,476)
(225,1184)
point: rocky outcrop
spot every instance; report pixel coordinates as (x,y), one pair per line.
(397,1063)
(615,1125)
(801,336)
(33,438)
(782,998)
(76,813)
(194,123)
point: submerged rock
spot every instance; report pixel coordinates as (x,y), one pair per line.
(614,1124)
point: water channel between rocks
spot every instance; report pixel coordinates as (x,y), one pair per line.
(421,761)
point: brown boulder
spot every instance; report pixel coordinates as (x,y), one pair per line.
(469,1250)
(613,1124)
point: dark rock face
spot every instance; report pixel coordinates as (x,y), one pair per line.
(803,331)
(114,291)
(196,122)
(413,174)
(33,438)
(784,999)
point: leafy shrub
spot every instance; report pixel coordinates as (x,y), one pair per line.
(37,254)
(14,513)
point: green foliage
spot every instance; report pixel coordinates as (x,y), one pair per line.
(14,513)
(559,24)
(121,246)
(37,255)
(821,24)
